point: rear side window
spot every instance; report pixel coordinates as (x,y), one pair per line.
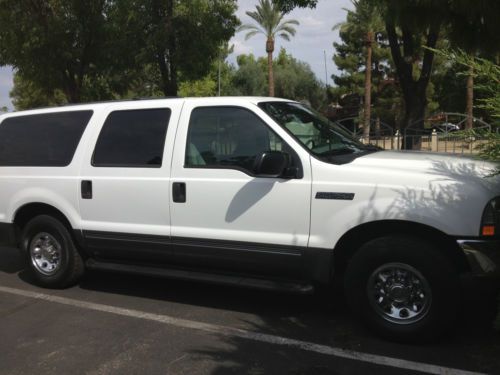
(45,140)
(132,139)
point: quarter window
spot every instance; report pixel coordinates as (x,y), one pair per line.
(43,140)
(133,139)
(228,137)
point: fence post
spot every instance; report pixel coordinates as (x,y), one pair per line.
(434,141)
(472,139)
(395,141)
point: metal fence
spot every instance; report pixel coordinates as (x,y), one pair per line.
(422,137)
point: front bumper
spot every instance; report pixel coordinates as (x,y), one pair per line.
(483,256)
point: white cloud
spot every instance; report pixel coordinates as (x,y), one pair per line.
(241,48)
(245,6)
(310,22)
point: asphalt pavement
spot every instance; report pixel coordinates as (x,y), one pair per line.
(122,324)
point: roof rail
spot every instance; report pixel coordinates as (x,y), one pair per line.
(121,100)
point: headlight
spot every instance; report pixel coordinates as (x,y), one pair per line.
(490,223)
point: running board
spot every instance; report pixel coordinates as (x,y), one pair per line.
(221,279)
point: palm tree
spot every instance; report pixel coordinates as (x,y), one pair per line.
(269,21)
(366,16)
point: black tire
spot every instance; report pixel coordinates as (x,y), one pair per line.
(68,263)
(377,277)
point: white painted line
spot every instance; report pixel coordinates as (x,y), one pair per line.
(236,332)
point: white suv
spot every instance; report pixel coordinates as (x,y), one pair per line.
(257,192)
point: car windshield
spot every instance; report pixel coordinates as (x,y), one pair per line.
(320,136)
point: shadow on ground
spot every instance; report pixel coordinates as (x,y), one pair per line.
(11,261)
(322,318)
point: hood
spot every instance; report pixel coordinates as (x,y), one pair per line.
(427,162)
(433,166)
(443,191)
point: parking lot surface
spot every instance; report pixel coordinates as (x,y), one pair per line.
(122,324)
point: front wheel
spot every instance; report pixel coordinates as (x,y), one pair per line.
(52,256)
(403,288)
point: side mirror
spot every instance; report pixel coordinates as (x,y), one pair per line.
(272,164)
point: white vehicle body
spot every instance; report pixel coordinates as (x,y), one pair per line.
(296,228)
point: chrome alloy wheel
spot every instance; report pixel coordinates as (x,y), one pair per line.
(399,293)
(45,253)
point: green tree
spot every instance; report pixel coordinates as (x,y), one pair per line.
(359,30)
(450,89)
(288,5)
(474,30)
(59,45)
(269,22)
(250,77)
(490,73)
(206,86)
(294,79)
(104,49)
(176,40)
(26,95)
(409,25)
(412,25)
(4,109)
(352,83)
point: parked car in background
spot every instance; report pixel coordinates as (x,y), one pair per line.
(446,127)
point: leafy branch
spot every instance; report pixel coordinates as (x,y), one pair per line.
(490,73)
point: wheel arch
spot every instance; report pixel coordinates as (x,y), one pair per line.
(352,240)
(30,210)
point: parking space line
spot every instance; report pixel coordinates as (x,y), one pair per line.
(237,332)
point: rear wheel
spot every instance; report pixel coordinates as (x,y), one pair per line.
(403,288)
(52,256)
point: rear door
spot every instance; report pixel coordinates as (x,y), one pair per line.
(125,189)
(227,217)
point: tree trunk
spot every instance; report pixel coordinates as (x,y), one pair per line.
(469,106)
(270,50)
(166,52)
(71,89)
(72,95)
(368,85)
(377,128)
(164,73)
(414,117)
(414,91)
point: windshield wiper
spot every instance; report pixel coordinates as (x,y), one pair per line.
(340,151)
(370,147)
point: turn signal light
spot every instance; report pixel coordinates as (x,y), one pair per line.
(488,230)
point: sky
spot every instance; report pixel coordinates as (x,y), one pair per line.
(314,37)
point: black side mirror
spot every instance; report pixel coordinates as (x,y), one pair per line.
(272,164)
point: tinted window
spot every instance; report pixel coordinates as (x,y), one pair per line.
(228,137)
(132,139)
(45,140)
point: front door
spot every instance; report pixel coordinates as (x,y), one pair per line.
(226,217)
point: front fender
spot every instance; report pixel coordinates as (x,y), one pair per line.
(331,219)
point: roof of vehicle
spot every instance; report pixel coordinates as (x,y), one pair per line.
(99,105)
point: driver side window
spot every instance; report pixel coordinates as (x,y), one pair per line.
(228,137)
